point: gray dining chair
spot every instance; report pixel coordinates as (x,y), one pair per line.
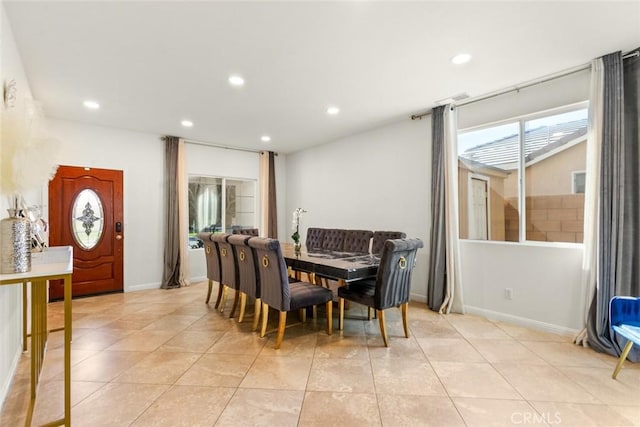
(357,241)
(278,293)
(228,276)
(379,237)
(248,278)
(246,231)
(314,239)
(333,239)
(391,286)
(213,265)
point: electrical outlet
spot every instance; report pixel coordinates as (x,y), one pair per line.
(508,293)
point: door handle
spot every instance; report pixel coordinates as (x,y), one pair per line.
(118,227)
(118,237)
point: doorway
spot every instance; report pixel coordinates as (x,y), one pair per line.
(478,224)
(85,212)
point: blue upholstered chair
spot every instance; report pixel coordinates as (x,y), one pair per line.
(278,293)
(624,317)
(248,278)
(213,265)
(390,288)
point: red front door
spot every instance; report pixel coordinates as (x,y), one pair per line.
(85,211)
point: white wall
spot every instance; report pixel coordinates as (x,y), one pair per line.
(377,180)
(141,158)
(545,278)
(10,296)
(381,180)
(219,162)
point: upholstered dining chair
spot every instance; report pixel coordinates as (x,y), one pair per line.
(248,278)
(357,241)
(229,277)
(213,265)
(379,237)
(314,239)
(333,239)
(278,293)
(390,288)
(624,317)
(246,231)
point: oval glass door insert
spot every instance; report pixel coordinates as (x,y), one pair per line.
(87,219)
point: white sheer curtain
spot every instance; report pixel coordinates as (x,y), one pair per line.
(453,301)
(183,214)
(592,185)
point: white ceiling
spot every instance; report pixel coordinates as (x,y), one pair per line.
(152,64)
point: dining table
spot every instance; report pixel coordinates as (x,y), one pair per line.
(341,266)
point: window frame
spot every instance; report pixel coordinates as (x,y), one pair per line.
(521,180)
(223,199)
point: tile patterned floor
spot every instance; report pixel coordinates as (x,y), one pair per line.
(164,358)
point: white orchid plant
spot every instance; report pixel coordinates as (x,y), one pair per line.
(296,224)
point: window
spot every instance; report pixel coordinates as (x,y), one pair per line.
(219,205)
(578,179)
(498,202)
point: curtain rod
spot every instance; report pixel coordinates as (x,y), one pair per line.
(530,83)
(225,147)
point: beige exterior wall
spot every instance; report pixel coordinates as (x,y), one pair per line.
(553,212)
(496,201)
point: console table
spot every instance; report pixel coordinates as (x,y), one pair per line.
(51,264)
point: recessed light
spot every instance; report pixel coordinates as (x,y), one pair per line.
(333,111)
(265,138)
(92,105)
(236,80)
(461,58)
(186,123)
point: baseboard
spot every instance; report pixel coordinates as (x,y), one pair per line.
(418,298)
(142,287)
(4,388)
(195,280)
(521,321)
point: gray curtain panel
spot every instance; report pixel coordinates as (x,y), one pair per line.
(272,218)
(436,287)
(171,273)
(619,228)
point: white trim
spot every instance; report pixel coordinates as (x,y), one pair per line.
(4,389)
(521,321)
(418,298)
(142,287)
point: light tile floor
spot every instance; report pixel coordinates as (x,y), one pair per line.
(164,358)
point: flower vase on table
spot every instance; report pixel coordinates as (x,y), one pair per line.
(296,230)
(15,237)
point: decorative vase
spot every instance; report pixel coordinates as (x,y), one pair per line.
(15,243)
(296,247)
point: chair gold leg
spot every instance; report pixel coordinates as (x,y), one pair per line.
(256,313)
(383,327)
(303,314)
(623,356)
(369,313)
(225,294)
(209,292)
(329,317)
(220,292)
(405,324)
(265,319)
(315,312)
(341,313)
(282,324)
(243,304)
(236,299)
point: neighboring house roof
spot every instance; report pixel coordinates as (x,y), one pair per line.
(503,153)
